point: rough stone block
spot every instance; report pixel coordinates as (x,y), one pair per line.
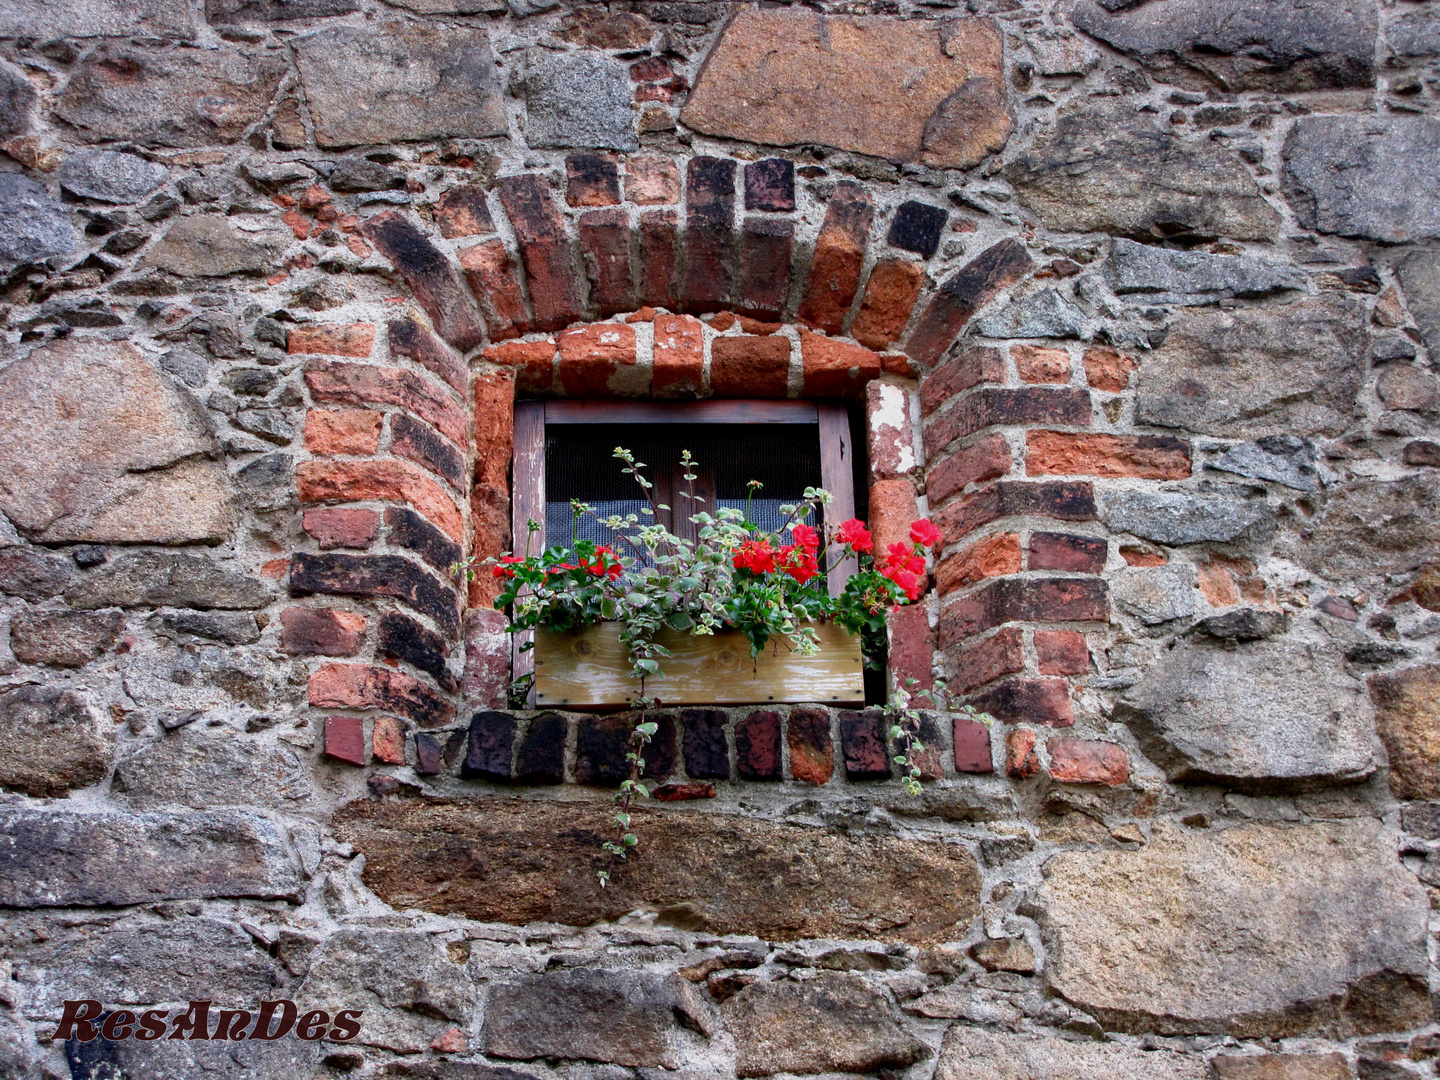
(1407,713)
(162,579)
(35,227)
(64,638)
(53,740)
(976,1053)
(579,99)
(1179,517)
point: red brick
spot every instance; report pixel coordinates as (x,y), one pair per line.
(683,792)
(1062,551)
(363,384)
(972,747)
(835,368)
(464,211)
(417,441)
(334,528)
(1072,500)
(1217,586)
(969,367)
(968,290)
(896,363)
(345,739)
(984,661)
(1084,761)
(534,363)
(590,356)
(321,632)
(887,430)
(544,248)
(491,277)
(912,647)
(753,367)
(660,259)
(985,459)
(367,686)
(490,538)
(758,326)
(298,222)
(839,256)
(812,750)
(387,741)
(757,746)
(994,556)
(605,245)
(356,339)
(410,339)
(892,510)
(1035,364)
(652,181)
(1031,701)
(1062,652)
(1147,457)
(385,481)
(863,745)
(487,661)
(1107,369)
(1021,760)
(765,249)
(709,233)
(679,356)
(890,296)
(591,180)
(1135,556)
(342,431)
(374,576)
(431,278)
(1000,407)
(1004,600)
(494,432)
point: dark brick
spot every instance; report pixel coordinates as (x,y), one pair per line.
(422,444)
(994,406)
(770,185)
(765,248)
(545,250)
(542,752)
(757,742)
(410,530)
(605,244)
(709,233)
(455,743)
(321,632)
(707,757)
(660,751)
(862,745)
(1003,600)
(659,259)
(1031,701)
(839,255)
(405,639)
(489,747)
(409,338)
(812,750)
(1069,500)
(970,366)
(600,749)
(710,193)
(428,761)
(431,278)
(683,792)
(1061,551)
(371,686)
(591,180)
(490,272)
(917,227)
(972,746)
(971,288)
(930,760)
(377,575)
(464,211)
(345,739)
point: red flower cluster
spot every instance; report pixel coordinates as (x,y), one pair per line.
(800,559)
(505,567)
(905,563)
(854,533)
(924,533)
(757,556)
(605,564)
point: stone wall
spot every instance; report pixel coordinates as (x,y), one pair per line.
(1139,302)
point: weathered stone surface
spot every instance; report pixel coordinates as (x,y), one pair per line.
(400,81)
(52,741)
(1281,1067)
(933,91)
(1044,314)
(32,225)
(1267,717)
(1158,275)
(220,12)
(180,97)
(166,1059)
(1419,274)
(1285,459)
(1315,928)
(17,101)
(42,19)
(162,579)
(206,246)
(207,677)
(1243,624)
(445,1069)
(831,1023)
(64,638)
(1370,176)
(59,858)
(111,177)
(975,1053)
(579,99)
(99,447)
(484,858)
(1407,713)
(1111,171)
(34,574)
(1181,517)
(1155,594)
(1369,527)
(1235,45)
(1256,372)
(204,766)
(621,1017)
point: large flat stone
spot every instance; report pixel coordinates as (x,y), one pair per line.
(1253,931)
(907,90)
(400,81)
(1267,717)
(201,766)
(111,177)
(166,1059)
(42,19)
(1262,371)
(52,741)
(1407,712)
(1184,517)
(99,447)
(972,1053)
(1369,527)
(520,862)
(33,227)
(1238,45)
(206,246)
(579,99)
(1419,274)
(1156,275)
(164,579)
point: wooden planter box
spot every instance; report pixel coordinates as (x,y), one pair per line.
(589,669)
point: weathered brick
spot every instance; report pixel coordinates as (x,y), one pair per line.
(839,255)
(490,273)
(836,368)
(1003,600)
(591,180)
(683,792)
(766,245)
(403,638)
(409,530)
(356,339)
(770,185)
(409,339)
(464,211)
(368,686)
(709,233)
(996,407)
(750,367)
(1072,554)
(494,447)
(660,259)
(363,384)
(1072,500)
(662,751)
(600,748)
(969,367)
(605,245)
(757,740)
(968,290)
(863,745)
(1107,369)
(984,661)
(652,181)
(485,679)
(422,444)
(1086,761)
(890,296)
(679,356)
(1035,364)
(993,556)
(1061,652)
(707,757)
(591,356)
(428,759)
(812,749)
(321,632)
(377,575)
(912,647)
(1031,701)
(345,739)
(342,431)
(333,527)
(972,747)
(930,760)
(489,539)
(488,746)
(985,459)
(431,278)
(534,363)
(542,751)
(1146,457)
(888,433)
(892,510)
(917,227)
(387,740)
(386,481)
(1021,760)
(545,250)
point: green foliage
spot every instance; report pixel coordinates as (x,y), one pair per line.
(903,714)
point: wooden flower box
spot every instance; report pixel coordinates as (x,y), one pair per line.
(589,669)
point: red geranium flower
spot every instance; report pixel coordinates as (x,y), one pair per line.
(504,568)
(854,533)
(757,556)
(798,563)
(604,565)
(924,533)
(807,538)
